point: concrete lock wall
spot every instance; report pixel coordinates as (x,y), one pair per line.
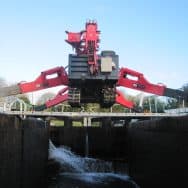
(103,142)
(158,152)
(23,152)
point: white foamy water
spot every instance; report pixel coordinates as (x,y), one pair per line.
(79,172)
(71,162)
(99,177)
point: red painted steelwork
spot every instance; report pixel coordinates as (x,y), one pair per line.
(86,43)
(120,99)
(59,98)
(138,82)
(50,78)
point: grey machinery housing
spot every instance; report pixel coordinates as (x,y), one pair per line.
(87,88)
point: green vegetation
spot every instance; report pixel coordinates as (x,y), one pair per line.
(76,124)
(61,123)
(57,123)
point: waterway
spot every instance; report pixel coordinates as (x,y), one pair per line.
(83,172)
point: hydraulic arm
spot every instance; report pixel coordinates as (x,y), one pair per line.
(135,80)
(47,79)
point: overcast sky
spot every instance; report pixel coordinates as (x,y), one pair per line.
(150,36)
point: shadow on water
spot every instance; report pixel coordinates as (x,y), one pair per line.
(83,172)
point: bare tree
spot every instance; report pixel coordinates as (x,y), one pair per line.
(2,82)
(185,89)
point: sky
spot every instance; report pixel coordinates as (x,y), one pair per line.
(150,36)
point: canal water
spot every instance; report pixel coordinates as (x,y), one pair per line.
(84,172)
